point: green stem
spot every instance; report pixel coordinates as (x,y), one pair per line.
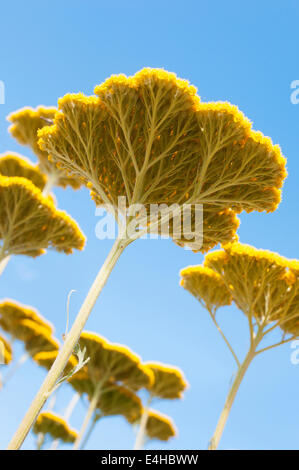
(214,442)
(90,413)
(69,344)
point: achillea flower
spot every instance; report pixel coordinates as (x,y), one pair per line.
(118,400)
(30,223)
(55,427)
(109,366)
(5,350)
(160,427)
(13,164)
(25,124)
(150,139)
(114,362)
(264,286)
(46,359)
(169,382)
(12,312)
(206,285)
(35,337)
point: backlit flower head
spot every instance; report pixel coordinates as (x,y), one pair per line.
(12,312)
(55,426)
(25,124)
(218,226)
(5,350)
(82,382)
(35,337)
(169,382)
(13,164)
(149,138)
(118,400)
(46,359)
(261,283)
(160,426)
(30,223)
(114,362)
(206,285)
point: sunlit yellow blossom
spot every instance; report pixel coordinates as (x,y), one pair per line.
(117,400)
(30,223)
(55,426)
(160,426)
(25,124)
(149,138)
(83,383)
(206,285)
(5,350)
(46,359)
(262,283)
(35,337)
(114,362)
(218,226)
(12,312)
(169,381)
(13,164)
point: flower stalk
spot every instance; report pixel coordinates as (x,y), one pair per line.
(214,442)
(89,415)
(69,344)
(142,428)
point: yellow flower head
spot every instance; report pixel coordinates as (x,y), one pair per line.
(160,426)
(25,124)
(82,382)
(13,164)
(35,337)
(117,400)
(46,359)
(262,283)
(30,223)
(55,426)
(216,225)
(5,350)
(112,362)
(12,312)
(206,285)
(169,381)
(149,138)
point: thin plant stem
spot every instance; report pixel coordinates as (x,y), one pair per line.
(40,441)
(51,181)
(67,414)
(213,316)
(89,415)
(142,428)
(214,442)
(89,432)
(69,344)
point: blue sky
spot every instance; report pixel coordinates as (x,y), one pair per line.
(243,52)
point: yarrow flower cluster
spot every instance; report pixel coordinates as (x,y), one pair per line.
(151,141)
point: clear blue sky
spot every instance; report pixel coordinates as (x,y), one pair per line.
(244,52)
